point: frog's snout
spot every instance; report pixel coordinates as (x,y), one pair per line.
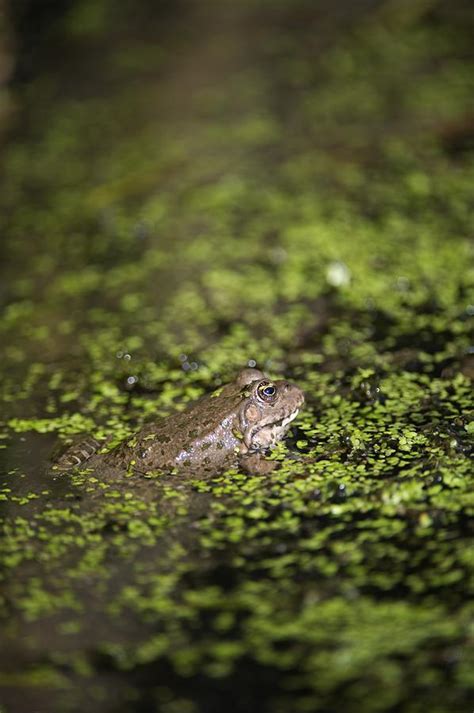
(293,392)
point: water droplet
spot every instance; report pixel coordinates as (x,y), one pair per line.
(402,283)
(338,274)
(278,255)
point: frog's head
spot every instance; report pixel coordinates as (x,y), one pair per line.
(267,410)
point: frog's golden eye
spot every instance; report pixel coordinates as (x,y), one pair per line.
(266,391)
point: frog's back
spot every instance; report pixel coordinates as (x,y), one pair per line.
(201,437)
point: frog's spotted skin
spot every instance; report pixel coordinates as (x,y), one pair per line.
(77,454)
(236,424)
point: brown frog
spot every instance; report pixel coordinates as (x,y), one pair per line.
(235,425)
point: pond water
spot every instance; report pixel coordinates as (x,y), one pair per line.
(187,188)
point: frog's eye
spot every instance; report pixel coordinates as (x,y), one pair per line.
(266,391)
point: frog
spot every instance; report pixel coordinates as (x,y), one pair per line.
(234,426)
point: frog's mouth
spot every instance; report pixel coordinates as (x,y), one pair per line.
(269,434)
(288,419)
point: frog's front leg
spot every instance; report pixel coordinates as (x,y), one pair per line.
(256,464)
